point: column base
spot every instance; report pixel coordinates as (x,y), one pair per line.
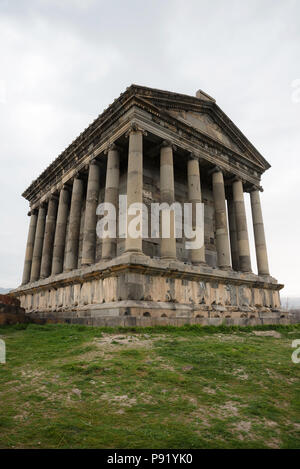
(134,251)
(225,267)
(107,258)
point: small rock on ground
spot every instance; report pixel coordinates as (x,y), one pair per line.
(275,334)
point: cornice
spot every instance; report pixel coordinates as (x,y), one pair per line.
(81,276)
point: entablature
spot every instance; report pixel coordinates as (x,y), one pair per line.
(113,123)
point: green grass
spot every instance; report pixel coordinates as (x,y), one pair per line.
(163,387)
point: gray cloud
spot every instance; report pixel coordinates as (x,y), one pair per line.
(62,63)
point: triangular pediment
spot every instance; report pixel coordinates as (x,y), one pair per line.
(203,114)
(205,124)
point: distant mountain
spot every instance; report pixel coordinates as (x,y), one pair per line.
(290,302)
(3,291)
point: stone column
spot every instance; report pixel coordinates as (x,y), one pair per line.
(29,246)
(194,195)
(38,244)
(111,195)
(60,231)
(233,234)
(259,234)
(134,183)
(241,226)
(222,238)
(167,195)
(74,224)
(49,237)
(90,218)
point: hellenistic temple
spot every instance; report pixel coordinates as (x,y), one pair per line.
(153,146)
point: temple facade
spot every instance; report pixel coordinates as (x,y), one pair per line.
(152,146)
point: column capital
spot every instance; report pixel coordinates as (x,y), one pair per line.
(168,143)
(33,211)
(53,196)
(93,161)
(64,187)
(77,175)
(134,127)
(112,147)
(254,188)
(192,157)
(235,178)
(216,169)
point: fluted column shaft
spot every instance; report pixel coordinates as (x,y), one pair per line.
(259,234)
(29,247)
(241,226)
(195,196)
(74,225)
(49,238)
(111,196)
(233,234)
(38,244)
(60,231)
(134,185)
(167,195)
(222,238)
(90,218)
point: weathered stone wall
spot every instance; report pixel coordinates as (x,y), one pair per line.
(140,295)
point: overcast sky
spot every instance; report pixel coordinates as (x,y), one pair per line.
(64,61)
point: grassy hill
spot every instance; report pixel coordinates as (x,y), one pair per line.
(192,387)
